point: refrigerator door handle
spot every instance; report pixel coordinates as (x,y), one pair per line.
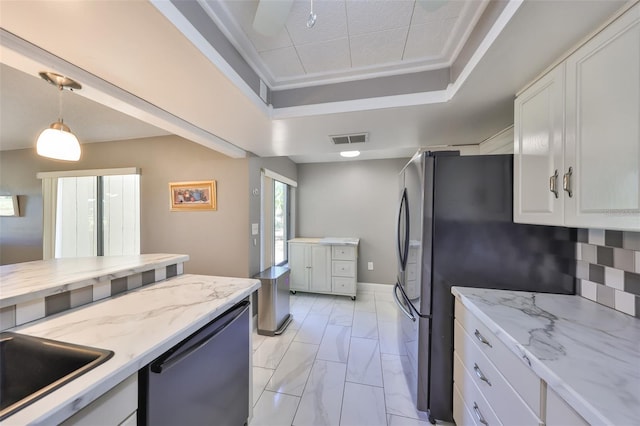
(407,313)
(410,305)
(403,254)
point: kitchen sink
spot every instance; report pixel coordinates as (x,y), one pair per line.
(31,367)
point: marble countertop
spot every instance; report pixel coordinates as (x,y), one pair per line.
(338,241)
(587,353)
(26,281)
(137,326)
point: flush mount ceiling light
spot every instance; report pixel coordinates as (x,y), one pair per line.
(57,141)
(349,154)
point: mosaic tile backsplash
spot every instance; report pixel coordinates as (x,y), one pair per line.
(608,268)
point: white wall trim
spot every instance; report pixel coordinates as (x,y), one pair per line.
(95,172)
(279,177)
(375,287)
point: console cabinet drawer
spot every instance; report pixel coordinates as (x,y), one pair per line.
(342,268)
(343,253)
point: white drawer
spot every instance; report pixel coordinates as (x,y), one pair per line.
(344,285)
(504,400)
(343,253)
(519,375)
(559,413)
(343,268)
(471,395)
(462,415)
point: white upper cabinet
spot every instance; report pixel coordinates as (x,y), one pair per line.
(538,149)
(603,128)
(583,120)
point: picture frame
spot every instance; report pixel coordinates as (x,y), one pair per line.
(9,205)
(193,196)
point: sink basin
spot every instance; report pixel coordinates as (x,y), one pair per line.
(31,367)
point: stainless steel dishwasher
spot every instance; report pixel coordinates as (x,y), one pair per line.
(203,380)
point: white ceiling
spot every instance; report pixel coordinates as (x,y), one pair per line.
(351,38)
(149,51)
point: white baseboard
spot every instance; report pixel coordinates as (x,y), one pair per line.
(374,287)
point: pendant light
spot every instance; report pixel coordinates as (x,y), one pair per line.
(57,141)
(311,21)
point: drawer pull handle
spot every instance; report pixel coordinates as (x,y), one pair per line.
(480,375)
(527,359)
(479,415)
(481,338)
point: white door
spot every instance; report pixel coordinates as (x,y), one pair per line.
(538,149)
(299,263)
(603,128)
(320,268)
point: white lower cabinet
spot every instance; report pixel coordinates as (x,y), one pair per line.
(559,413)
(494,385)
(116,407)
(323,268)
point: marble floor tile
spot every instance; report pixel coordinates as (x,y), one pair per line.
(257,339)
(365,324)
(261,377)
(364,362)
(342,314)
(365,302)
(312,329)
(399,396)
(335,344)
(272,349)
(291,375)
(388,336)
(363,405)
(323,304)
(322,398)
(312,386)
(274,409)
(405,421)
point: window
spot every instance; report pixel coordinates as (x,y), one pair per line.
(278,201)
(280,221)
(91,213)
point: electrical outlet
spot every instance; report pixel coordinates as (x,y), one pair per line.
(370,266)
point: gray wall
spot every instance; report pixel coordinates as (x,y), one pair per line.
(216,241)
(281,165)
(353,199)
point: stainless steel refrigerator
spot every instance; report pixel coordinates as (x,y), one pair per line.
(455,228)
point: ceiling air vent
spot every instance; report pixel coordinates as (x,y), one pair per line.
(349,139)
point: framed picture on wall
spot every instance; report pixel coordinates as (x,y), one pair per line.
(189,196)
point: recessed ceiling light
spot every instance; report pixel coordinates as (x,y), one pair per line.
(349,154)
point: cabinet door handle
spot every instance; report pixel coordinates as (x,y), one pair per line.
(566,182)
(479,415)
(553,183)
(481,338)
(480,375)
